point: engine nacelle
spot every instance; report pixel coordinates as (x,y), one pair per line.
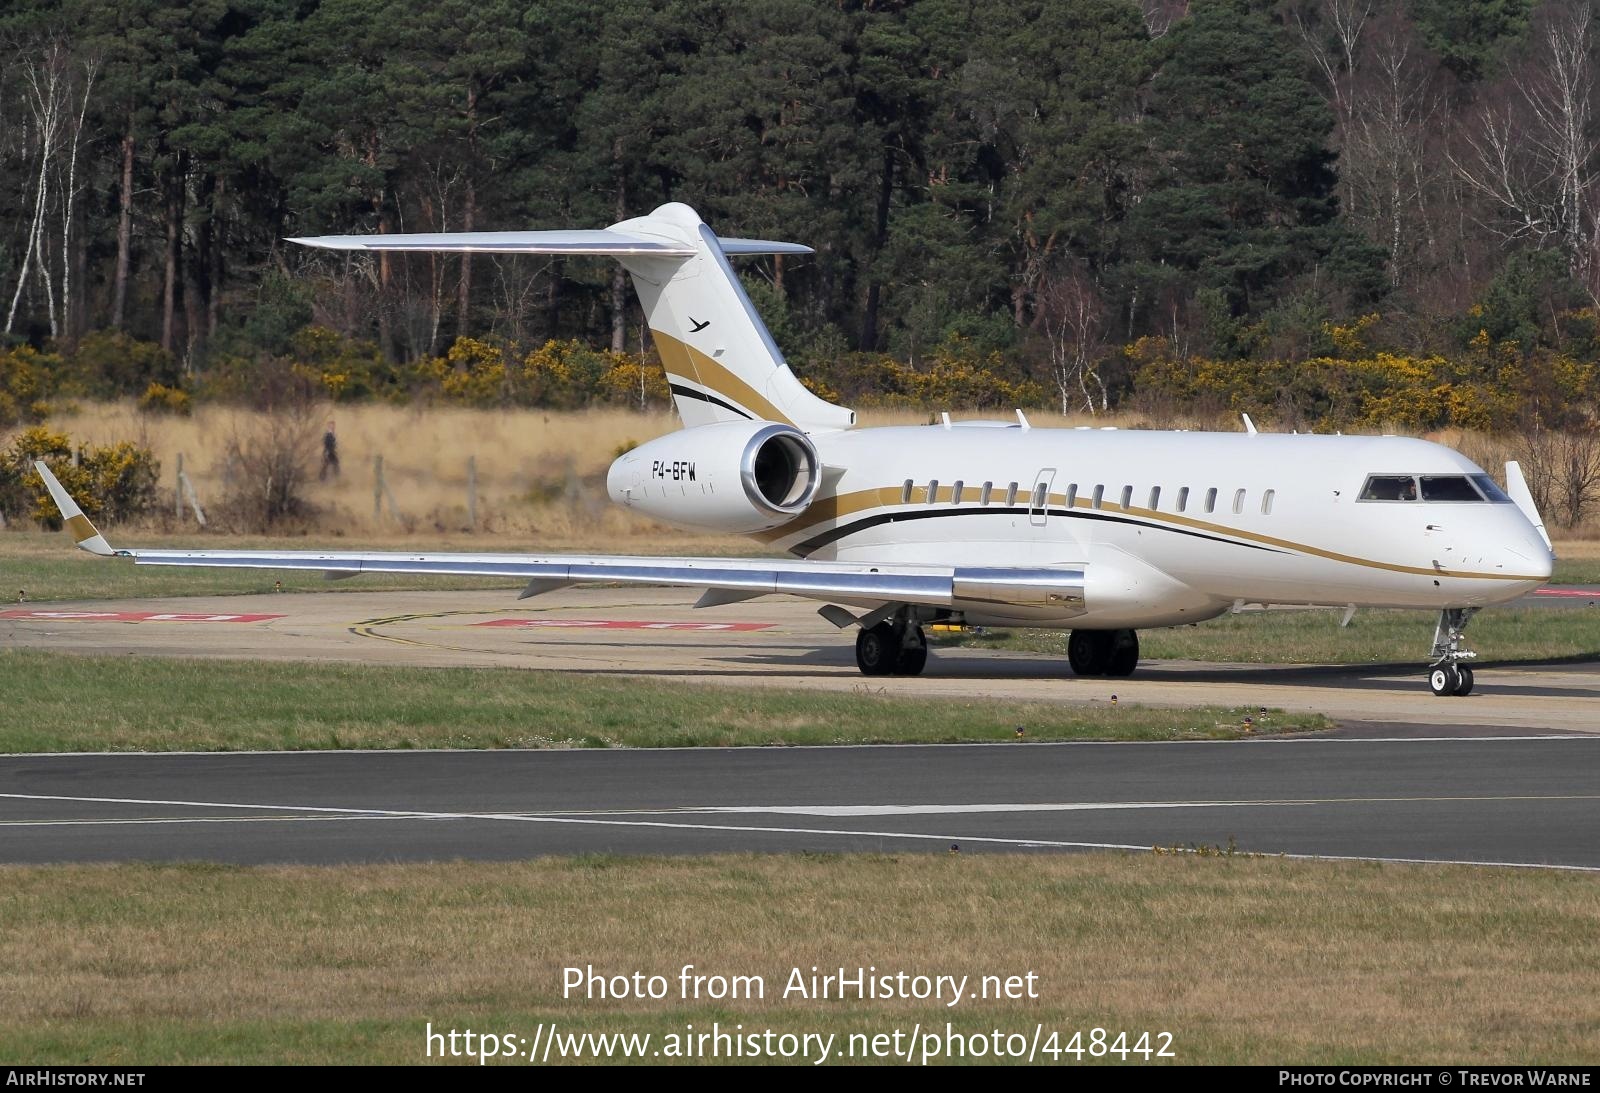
(734,476)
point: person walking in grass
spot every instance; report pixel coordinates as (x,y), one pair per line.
(330,454)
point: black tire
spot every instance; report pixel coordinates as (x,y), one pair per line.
(913,658)
(1089,652)
(1464,688)
(1443,679)
(877,650)
(1124,655)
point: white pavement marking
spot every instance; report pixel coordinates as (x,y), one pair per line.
(1102,806)
(1305,738)
(1023,843)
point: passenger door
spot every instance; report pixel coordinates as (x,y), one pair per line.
(1039,498)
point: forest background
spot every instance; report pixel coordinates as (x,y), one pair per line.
(1331,214)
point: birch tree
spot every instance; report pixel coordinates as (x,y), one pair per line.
(1529,152)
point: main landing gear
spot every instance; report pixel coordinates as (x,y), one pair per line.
(1448,673)
(1103,652)
(895,647)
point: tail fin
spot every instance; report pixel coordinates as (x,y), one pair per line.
(721,361)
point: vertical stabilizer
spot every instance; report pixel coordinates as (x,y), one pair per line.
(721,361)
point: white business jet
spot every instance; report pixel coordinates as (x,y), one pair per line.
(1096,531)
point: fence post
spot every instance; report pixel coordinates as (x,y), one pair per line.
(177,492)
(472,492)
(194,499)
(378,487)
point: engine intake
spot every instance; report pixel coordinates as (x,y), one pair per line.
(731,476)
(780,470)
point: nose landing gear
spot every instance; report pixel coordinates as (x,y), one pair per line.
(1448,673)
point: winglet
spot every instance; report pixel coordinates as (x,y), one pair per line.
(87,535)
(1517,488)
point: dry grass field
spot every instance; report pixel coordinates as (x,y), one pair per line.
(1242,960)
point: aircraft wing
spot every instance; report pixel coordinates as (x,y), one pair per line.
(723,580)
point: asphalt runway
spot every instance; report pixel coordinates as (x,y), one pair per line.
(1524,801)
(777,641)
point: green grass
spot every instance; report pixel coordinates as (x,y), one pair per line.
(1242,960)
(59,702)
(1499,634)
(1576,571)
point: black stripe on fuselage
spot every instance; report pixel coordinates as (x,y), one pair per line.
(833,535)
(690,392)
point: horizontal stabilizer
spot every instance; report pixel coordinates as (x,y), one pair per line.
(604,241)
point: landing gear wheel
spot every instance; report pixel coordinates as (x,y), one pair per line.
(1089,652)
(913,654)
(878,650)
(1124,655)
(1444,679)
(1450,674)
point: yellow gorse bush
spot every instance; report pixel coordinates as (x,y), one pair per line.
(1489,387)
(113,482)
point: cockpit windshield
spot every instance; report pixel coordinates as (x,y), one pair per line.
(1448,487)
(1489,489)
(1476,488)
(1390,487)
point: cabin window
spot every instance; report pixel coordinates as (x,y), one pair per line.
(1072,495)
(1266,502)
(955,492)
(1155,498)
(1011,495)
(1127,498)
(1389,487)
(1183,498)
(1099,496)
(1238,502)
(905,492)
(1041,495)
(985,493)
(1448,487)
(933,490)
(1211,499)
(1490,490)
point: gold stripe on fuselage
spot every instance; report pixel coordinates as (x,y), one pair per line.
(835,508)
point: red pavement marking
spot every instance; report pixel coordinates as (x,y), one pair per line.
(618,624)
(129,616)
(1580,593)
